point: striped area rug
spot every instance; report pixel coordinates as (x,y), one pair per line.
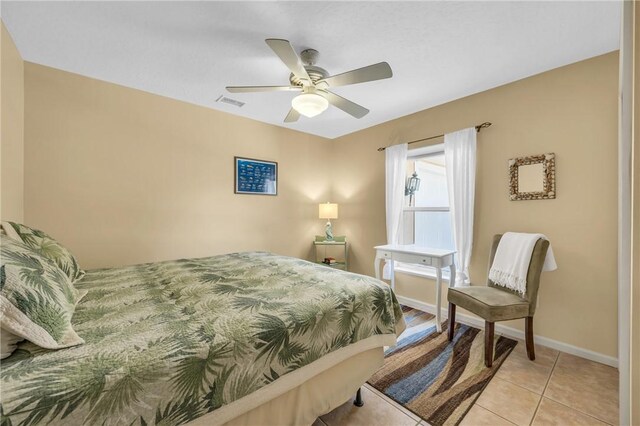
(436,379)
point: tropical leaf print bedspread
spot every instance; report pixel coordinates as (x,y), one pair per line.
(169,342)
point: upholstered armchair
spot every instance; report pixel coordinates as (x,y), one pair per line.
(495,303)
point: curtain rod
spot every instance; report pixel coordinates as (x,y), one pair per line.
(478,128)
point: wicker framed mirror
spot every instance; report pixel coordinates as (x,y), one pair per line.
(532,177)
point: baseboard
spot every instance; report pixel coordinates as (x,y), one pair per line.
(513,332)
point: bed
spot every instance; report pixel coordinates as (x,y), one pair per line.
(241,338)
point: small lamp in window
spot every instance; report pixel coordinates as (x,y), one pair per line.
(328,211)
(413,184)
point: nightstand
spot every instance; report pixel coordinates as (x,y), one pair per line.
(329,249)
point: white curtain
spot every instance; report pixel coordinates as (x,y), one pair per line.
(460,160)
(396,174)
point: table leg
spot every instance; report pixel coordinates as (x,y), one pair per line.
(392,274)
(376,267)
(452,275)
(438,301)
(346,257)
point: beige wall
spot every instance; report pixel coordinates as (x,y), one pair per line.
(121,176)
(571,111)
(11,129)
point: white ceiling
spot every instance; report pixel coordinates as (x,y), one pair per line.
(439,51)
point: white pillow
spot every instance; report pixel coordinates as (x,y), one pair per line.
(8,343)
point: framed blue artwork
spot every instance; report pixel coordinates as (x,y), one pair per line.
(255,176)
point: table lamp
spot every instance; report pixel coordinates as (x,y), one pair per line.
(328,211)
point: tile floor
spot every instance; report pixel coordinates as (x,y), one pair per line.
(555,389)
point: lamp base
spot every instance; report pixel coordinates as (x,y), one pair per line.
(328,231)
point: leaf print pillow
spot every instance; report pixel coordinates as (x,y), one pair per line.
(47,247)
(37,299)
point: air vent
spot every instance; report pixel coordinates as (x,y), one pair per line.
(229,101)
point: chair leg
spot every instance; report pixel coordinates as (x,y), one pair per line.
(528,331)
(488,344)
(452,320)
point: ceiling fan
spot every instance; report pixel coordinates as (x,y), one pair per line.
(314,82)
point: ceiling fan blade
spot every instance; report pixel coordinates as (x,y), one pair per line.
(245,89)
(292,116)
(346,105)
(285,52)
(378,71)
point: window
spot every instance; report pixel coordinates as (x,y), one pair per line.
(427,221)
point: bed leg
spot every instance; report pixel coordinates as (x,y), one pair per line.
(358,402)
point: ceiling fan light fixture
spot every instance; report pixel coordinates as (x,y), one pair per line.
(310,104)
(314,82)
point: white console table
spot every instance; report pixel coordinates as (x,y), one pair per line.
(411,253)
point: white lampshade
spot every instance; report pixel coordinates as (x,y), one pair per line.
(328,211)
(309,104)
